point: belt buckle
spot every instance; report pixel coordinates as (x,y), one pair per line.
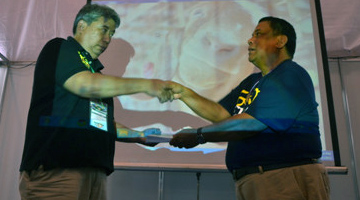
(261,169)
(234,174)
(239,173)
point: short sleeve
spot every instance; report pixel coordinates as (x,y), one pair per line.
(285,97)
(69,63)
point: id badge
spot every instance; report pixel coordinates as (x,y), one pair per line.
(98,115)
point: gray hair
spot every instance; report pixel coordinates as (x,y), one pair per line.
(92,12)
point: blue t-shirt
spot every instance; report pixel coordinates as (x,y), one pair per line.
(284,100)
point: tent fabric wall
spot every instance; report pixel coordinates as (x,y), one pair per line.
(342,27)
(25,26)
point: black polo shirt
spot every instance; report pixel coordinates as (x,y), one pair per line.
(58,134)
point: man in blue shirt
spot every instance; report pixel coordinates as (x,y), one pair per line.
(270,121)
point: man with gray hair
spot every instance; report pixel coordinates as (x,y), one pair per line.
(71,132)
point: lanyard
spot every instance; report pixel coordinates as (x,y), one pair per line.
(98,109)
(85,61)
(87,64)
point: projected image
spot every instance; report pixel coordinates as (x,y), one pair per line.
(202,45)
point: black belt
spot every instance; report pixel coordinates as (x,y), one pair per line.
(239,173)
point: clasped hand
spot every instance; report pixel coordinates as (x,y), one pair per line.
(169,91)
(186,138)
(166,90)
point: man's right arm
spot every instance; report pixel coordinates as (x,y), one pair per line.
(96,85)
(202,106)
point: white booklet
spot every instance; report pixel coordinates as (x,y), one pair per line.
(159,138)
(163,137)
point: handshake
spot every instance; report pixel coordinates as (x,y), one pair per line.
(166,90)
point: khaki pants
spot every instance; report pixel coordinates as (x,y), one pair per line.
(304,182)
(63,184)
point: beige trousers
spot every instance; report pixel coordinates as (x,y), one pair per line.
(305,182)
(63,184)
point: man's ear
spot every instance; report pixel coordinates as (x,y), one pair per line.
(81,26)
(281,41)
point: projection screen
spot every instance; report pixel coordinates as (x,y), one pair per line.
(203,45)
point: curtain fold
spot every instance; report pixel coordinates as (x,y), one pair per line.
(341,26)
(25,26)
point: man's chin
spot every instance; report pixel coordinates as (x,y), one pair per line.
(98,53)
(100,50)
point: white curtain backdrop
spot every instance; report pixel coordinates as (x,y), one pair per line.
(342,27)
(26,25)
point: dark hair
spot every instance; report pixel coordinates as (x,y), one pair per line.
(282,27)
(92,12)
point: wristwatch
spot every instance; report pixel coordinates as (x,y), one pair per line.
(200,138)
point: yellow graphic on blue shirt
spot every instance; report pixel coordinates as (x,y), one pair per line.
(245,99)
(84,60)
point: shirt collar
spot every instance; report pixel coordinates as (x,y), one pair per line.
(96,64)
